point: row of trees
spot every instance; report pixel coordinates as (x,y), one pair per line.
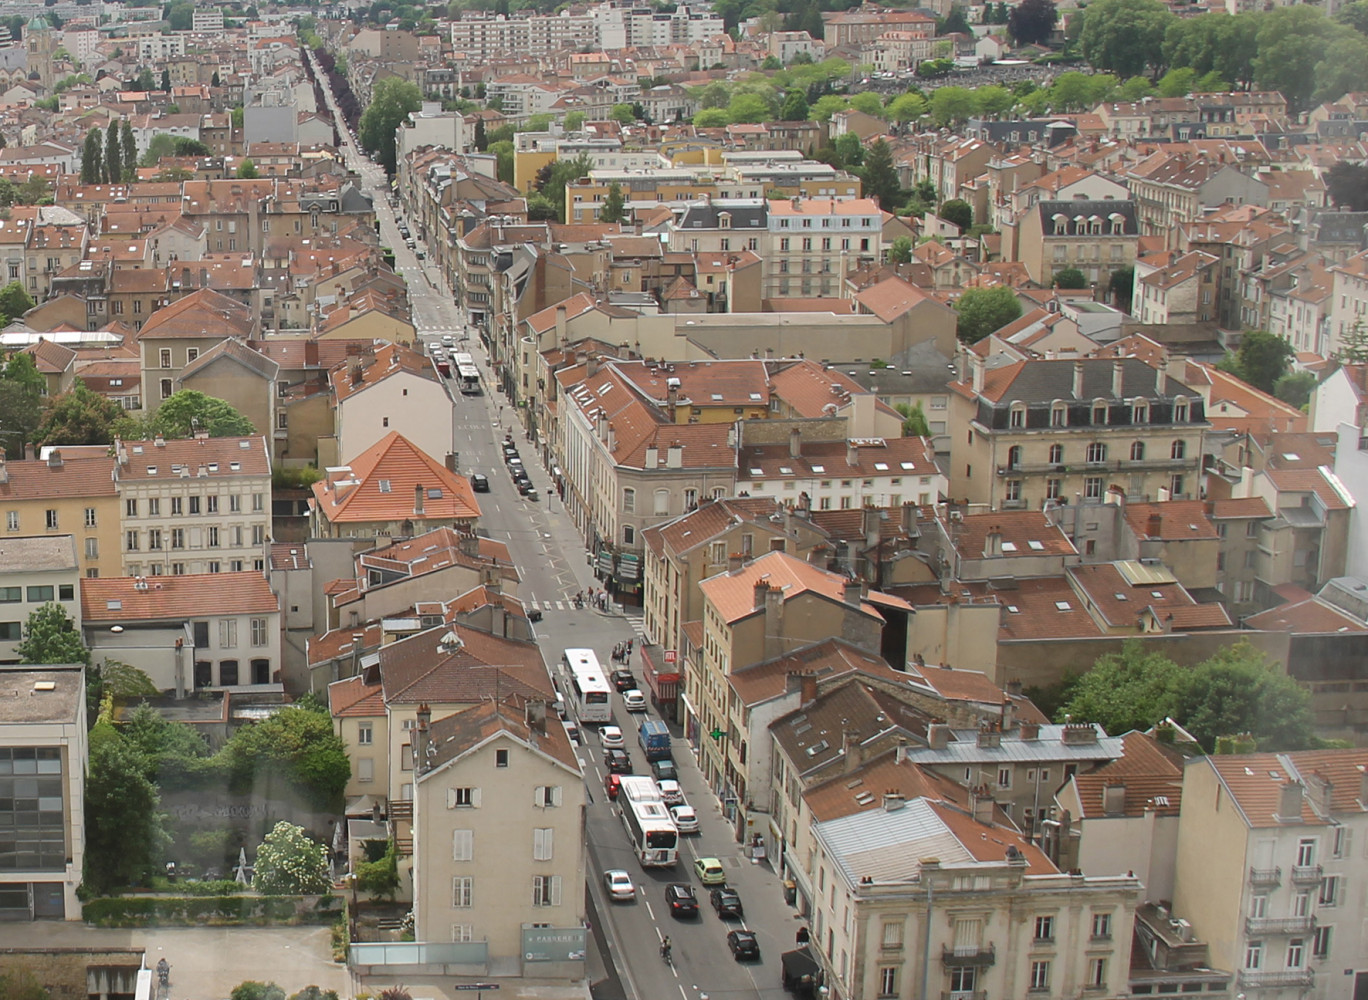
(393,100)
(111,160)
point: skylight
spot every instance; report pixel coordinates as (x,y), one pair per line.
(1014,609)
(907,466)
(1035,546)
(784,470)
(881,466)
(384,486)
(1009,546)
(1063,606)
(757,472)
(717,397)
(819,469)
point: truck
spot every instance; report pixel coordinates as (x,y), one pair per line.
(654,737)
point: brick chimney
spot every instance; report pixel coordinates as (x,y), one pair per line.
(1078,380)
(795,443)
(992,543)
(418,499)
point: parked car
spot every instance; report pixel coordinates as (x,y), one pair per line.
(623,680)
(681,899)
(619,884)
(664,770)
(421,255)
(710,871)
(572,730)
(743,945)
(726,902)
(634,701)
(612,784)
(448,339)
(479,483)
(618,762)
(532,494)
(685,819)
(670,793)
(611,738)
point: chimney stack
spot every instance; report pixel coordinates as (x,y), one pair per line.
(795,443)
(418,499)
(1160,381)
(851,750)
(1078,380)
(1118,378)
(982,804)
(1290,802)
(937,736)
(1114,799)
(759,593)
(852,592)
(1154,525)
(808,688)
(735,560)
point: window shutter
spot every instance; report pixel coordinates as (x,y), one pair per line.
(536,890)
(463,845)
(542,843)
(451,798)
(555,889)
(537,795)
(556,795)
(1348,842)
(475,797)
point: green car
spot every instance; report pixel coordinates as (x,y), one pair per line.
(710,871)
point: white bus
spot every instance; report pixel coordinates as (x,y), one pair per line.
(649,824)
(593,701)
(468,379)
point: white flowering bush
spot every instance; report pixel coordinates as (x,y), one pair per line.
(290,863)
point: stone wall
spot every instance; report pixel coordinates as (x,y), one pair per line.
(71,973)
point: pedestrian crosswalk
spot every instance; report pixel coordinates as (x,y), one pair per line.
(637,623)
(635,620)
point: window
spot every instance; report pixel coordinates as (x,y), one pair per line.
(1320,942)
(177,506)
(1301,904)
(154,539)
(1253,955)
(1053,488)
(1176,486)
(1140,412)
(1341,842)
(1258,906)
(888,981)
(462,845)
(1178,450)
(1014,457)
(365,734)
(92,548)
(462,892)
(258,534)
(629,501)
(234,504)
(1005,780)
(164,357)
(1012,493)
(1099,413)
(1252,529)
(543,839)
(892,934)
(463,798)
(628,535)
(12,520)
(1097,452)
(365,769)
(1180,410)
(1040,975)
(963,979)
(154,506)
(1017,418)
(1044,927)
(11,595)
(259,636)
(1092,487)
(501,758)
(194,505)
(228,633)
(662,502)
(11,631)
(164,388)
(1097,974)
(1137,451)
(50,516)
(1306,852)
(90,517)
(178,538)
(1296,953)
(258,504)
(131,541)
(212,536)
(1059,415)
(1056,454)
(1101,926)
(66,592)
(546,796)
(546,890)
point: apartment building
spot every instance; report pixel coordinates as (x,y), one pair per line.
(846,474)
(499,846)
(1181,289)
(43,761)
(60,496)
(815,242)
(1268,868)
(35,570)
(480,39)
(1041,430)
(175,335)
(1095,237)
(396,390)
(194,506)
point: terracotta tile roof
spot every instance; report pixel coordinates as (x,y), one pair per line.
(1192,617)
(891,298)
(1343,769)
(831,459)
(388,360)
(733,593)
(863,789)
(79,477)
(959,685)
(1321,482)
(1255,782)
(215,457)
(1117,602)
(1229,397)
(700,383)
(50,357)
(354,698)
(808,387)
(338,642)
(121,599)
(827,660)
(455,734)
(1171,520)
(1044,608)
(386,475)
(710,519)
(203,313)
(436,550)
(1300,451)
(1022,533)
(237,352)
(1241,507)
(990,843)
(1306,617)
(478,667)
(849,525)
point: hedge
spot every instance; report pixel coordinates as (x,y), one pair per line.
(163,911)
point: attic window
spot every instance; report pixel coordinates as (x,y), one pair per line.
(434,494)
(1035,546)
(137,449)
(757,472)
(1063,606)
(881,466)
(213,467)
(1013,609)
(1121,597)
(1009,546)
(151,470)
(717,397)
(784,470)
(1161,800)
(244,444)
(1291,456)
(1156,593)
(113,605)
(384,486)
(816,748)
(755,397)
(234,466)
(907,466)
(819,469)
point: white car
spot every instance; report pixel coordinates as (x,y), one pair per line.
(619,884)
(611,738)
(447,339)
(634,701)
(685,819)
(670,793)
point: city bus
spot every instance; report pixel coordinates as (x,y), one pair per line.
(593,703)
(468,377)
(647,819)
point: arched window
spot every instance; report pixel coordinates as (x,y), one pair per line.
(662,502)
(1014,457)
(1178,450)
(1140,411)
(1017,418)
(1137,451)
(1061,224)
(1180,410)
(629,501)
(1099,411)
(1059,414)
(1056,454)
(1097,452)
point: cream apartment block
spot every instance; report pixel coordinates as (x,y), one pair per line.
(1271,864)
(499,859)
(35,570)
(396,391)
(196,505)
(815,242)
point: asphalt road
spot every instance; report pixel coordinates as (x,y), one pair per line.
(546,546)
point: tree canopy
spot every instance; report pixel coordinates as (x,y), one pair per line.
(124,832)
(289,862)
(392,101)
(78,416)
(1032,21)
(1261,359)
(50,636)
(983,310)
(296,745)
(181,413)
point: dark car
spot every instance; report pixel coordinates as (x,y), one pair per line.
(743,945)
(479,483)
(683,902)
(510,449)
(617,761)
(665,770)
(623,680)
(525,486)
(727,902)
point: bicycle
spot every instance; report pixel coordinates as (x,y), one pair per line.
(667,952)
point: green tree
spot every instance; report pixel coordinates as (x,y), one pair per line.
(1178,82)
(290,863)
(711,118)
(92,165)
(1070,277)
(849,150)
(1261,360)
(185,146)
(1121,287)
(868,102)
(158,146)
(247,170)
(124,833)
(1125,36)
(825,106)
(253,990)
(748,108)
(1135,89)
(314,993)
(714,95)
(503,157)
(1343,69)
(166,81)
(129,151)
(1353,345)
(1132,689)
(914,420)
(482,139)
(993,100)
(911,106)
(184,411)
(50,636)
(900,250)
(574,121)
(881,176)
(295,745)
(167,747)
(77,416)
(14,302)
(957,212)
(952,106)
(1031,22)
(21,392)
(1291,44)
(614,206)
(113,156)
(983,310)
(393,100)
(380,878)
(954,23)
(180,17)
(1295,388)
(1240,691)
(621,113)
(795,107)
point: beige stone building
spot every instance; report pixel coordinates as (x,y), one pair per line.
(177,334)
(70,496)
(1096,237)
(235,373)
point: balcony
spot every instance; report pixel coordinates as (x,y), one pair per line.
(1280,925)
(1258,979)
(984,955)
(1306,874)
(966,995)
(1265,876)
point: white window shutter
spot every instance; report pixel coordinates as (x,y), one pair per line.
(451,798)
(1348,842)
(536,890)
(539,796)
(475,797)
(555,795)
(555,890)
(463,845)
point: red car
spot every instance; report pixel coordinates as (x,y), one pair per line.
(613,784)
